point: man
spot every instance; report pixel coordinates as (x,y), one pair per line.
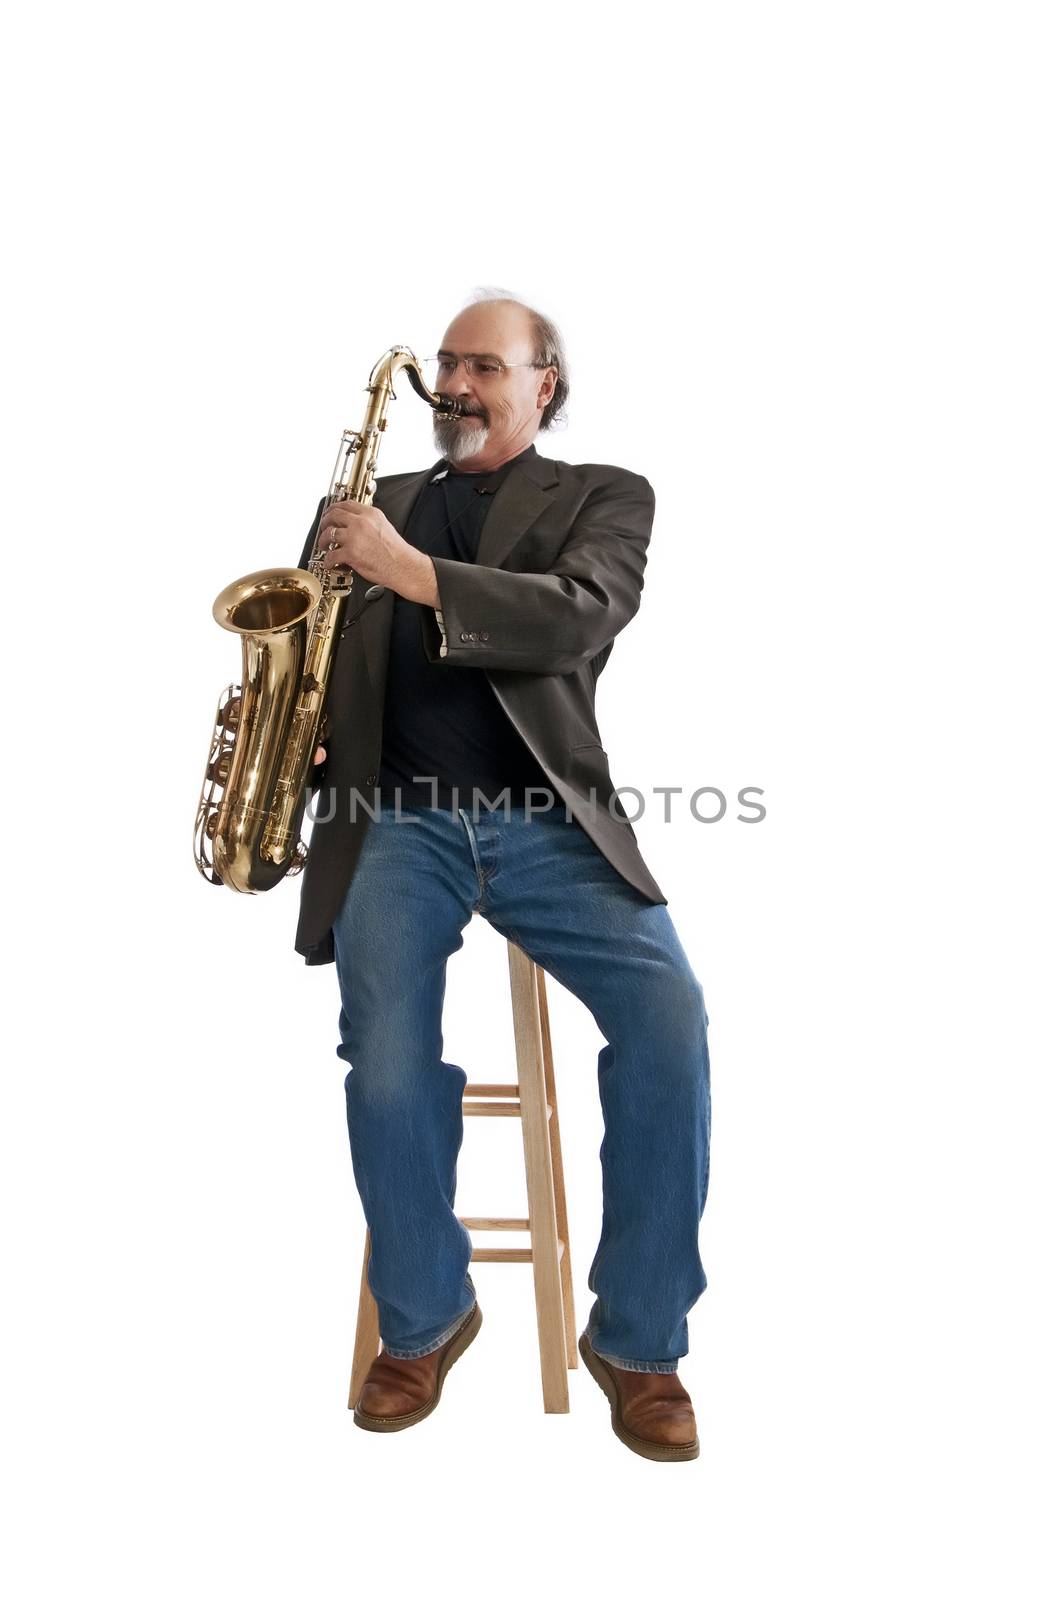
(463,772)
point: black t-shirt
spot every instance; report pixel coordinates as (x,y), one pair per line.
(445,721)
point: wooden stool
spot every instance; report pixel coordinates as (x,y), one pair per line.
(533,1098)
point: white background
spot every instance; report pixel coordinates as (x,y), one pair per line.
(807,259)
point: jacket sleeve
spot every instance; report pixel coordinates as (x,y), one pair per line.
(550,621)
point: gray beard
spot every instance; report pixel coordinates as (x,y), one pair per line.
(456,441)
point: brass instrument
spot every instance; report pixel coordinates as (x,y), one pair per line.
(267,728)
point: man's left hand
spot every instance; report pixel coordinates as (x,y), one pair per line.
(366,541)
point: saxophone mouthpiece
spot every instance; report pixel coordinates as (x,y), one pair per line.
(447,404)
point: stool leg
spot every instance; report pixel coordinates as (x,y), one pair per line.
(542,1213)
(558,1170)
(366,1333)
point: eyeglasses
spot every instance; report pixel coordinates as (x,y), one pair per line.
(478,366)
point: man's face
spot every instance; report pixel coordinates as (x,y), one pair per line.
(500,410)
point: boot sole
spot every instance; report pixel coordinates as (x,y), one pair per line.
(454,1347)
(599,1371)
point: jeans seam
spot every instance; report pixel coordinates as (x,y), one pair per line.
(481,875)
(475,859)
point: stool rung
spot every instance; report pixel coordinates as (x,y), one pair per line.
(496,1108)
(498,1253)
(512,1224)
(510,1089)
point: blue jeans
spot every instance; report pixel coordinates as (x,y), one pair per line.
(541,882)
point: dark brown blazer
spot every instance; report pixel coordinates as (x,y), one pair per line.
(558,573)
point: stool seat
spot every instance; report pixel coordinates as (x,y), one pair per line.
(533,1098)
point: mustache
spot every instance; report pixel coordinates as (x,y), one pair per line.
(462,411)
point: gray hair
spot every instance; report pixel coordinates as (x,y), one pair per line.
(548,350)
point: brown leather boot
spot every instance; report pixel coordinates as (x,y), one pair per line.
(652,1412)
(400,1390)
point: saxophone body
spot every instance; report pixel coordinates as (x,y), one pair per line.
(266,729)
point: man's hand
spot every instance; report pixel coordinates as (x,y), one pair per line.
(366,541)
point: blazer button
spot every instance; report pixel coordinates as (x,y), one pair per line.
(374,591)
(484,636)
(371,778)
(466,637)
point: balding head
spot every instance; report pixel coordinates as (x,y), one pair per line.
(501,325)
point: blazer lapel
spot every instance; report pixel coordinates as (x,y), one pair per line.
(517,504)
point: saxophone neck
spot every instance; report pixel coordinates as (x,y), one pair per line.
(400,358)
(354,477)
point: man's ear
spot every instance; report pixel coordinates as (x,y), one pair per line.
(546,387)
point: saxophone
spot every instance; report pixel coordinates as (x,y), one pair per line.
(267,728)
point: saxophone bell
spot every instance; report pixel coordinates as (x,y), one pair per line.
(269,610)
